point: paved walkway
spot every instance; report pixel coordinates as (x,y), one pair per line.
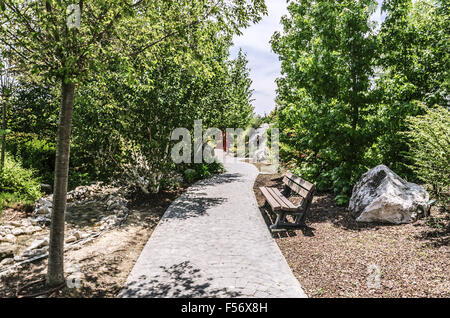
(213,242)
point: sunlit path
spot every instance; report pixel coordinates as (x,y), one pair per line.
(213,242)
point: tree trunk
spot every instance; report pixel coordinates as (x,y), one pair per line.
(4,134)
(55,273)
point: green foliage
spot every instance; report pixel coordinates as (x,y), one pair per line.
(347,89)
(325,96)
(17,183)
(39,155)
(122,129)
(413,67)
(198,171)
(129,97)
(429,137)
(34,153)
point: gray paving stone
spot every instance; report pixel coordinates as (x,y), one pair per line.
(213,242)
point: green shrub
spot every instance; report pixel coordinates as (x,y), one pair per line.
(39,155)
(429,137)
(17,183)
(34,153)
(198,171)
(189,175)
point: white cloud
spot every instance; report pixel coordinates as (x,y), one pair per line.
(263,63)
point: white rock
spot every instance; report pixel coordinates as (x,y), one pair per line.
(382,196)
(6,251)
(31,229)
(17,231)
(45,210)
(7,261)
(10,238)
(15,223)
(71,239)
(28,253)
(38,243)
(25,222)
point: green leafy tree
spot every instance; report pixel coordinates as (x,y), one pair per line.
(48,39)
(6,90)
(327,50)
(429,138)
(413,67)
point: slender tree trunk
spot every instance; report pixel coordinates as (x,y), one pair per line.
(4,134)
(55,273)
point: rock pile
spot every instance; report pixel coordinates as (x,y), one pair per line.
(90,210)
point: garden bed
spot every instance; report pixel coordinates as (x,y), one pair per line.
(334,256)
(100,267)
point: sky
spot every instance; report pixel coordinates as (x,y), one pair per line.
(263,63)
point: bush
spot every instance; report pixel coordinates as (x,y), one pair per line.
(34,153)
(17,183)
(39,155)
(198,171)
(429,140)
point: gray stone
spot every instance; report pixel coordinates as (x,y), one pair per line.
(10,238)
(71,239)
(7,261)
(6,251)
(382,196)
(45,210)
(33,253)
(41,220)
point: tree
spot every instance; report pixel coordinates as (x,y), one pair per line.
(327,51)
(429,138)
(413,67)
(241,108)
(6,86)
(64,42)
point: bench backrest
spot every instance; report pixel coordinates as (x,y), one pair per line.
(304,188)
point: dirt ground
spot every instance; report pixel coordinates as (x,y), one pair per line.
(98,268)
(334,256)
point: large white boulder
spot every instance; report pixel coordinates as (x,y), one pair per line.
(382,196)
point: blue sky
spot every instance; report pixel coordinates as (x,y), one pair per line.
(263,63)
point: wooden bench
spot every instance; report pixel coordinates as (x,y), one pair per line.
(280,204)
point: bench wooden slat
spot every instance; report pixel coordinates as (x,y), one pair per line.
(280,199)
(283,206)
(294,186)
(270,199)
(303,183)
(277,198)
(289,206)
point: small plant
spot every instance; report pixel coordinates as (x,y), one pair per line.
(189,175)
(198,171)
